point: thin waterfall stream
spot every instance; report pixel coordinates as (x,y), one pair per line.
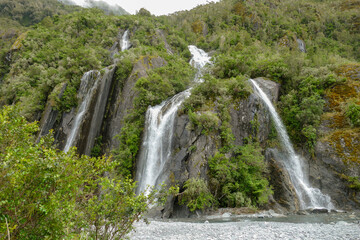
(88,86)
(309,197)
(125,43)
(156,147)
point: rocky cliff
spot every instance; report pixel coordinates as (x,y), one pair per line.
(192,149)
(335,168)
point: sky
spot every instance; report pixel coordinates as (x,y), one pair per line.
(157,7)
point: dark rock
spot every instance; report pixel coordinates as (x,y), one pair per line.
(97,93)
(249,118)
(326,169)
(319,210)
(122,97)
(49,116)
(161,35)
(284,192)
(94,117)
(302,212)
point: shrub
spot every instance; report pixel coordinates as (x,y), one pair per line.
(239,180)
(196,194)
(352,112)
(48,194)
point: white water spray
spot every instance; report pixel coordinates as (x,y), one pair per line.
(156,149)
(309,197)
(199,60)
(125,42)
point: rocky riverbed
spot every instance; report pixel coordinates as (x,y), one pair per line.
(298,227)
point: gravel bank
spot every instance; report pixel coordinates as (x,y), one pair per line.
(245,230)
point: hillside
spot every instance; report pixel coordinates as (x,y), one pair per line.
(68,69)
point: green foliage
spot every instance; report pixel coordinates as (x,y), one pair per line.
(49,194)
(207,121)
(31,12)
(143,12)
(58,51)
(196,194)
(352,112)
(214,88)
(354,183)
(239,180)
(302,108)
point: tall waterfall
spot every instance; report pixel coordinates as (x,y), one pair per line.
(87,87)
(125,43)
(156,148)
(309,197)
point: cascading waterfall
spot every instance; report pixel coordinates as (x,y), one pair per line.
(125,43)
(199,60)
(87,87)
(309,197)
(156,148)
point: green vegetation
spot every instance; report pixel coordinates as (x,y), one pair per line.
(259,39)
(45,45)
(30,12)
(46,193)
(352,112)
(58,50)
(237,173)
(196,194)
(239,181)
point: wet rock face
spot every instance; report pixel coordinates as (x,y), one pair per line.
(91,122)
(122,97)
(337,151)
(249,118)
(192,149)
(301,45)
(328,171)
(49,116)
(284,198)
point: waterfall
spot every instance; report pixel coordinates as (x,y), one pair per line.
(156,147)
(87,87)
(309,197)
(93,94)
(125,43)
(157,144)
(199,60)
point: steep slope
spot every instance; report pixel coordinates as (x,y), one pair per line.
(305,50)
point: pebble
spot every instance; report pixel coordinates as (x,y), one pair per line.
(244,230)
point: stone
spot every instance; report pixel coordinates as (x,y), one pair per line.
(226,215)
(301,45)
(319,210)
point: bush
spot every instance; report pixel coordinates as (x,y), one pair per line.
(352,112)
(48,194)
(239,181)
(196,194)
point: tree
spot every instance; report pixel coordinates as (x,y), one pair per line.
(48,194)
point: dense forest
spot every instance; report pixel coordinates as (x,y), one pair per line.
(310,48)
